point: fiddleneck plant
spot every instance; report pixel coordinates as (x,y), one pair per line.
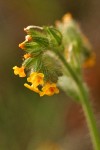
(55,57)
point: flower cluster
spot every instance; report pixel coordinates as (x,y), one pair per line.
(43,69)
(37,79)
(44,49)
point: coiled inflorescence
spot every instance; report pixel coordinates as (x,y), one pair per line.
(41,62)
(40,65)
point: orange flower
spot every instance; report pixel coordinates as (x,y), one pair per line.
(32,88)
(27,56)
(67,17)
(49,89)
(36,78)
(22,45)
(19,71)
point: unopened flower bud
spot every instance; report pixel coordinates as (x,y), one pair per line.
(22,45)
(28,38)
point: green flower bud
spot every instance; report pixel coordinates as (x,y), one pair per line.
(54,35)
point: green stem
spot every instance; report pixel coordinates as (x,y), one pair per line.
(85,104)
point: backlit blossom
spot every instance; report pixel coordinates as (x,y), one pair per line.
(19,71)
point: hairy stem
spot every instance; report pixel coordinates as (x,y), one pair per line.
(84,99)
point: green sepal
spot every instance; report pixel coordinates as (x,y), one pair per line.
(51,68)
(45,64)
(34,30)
(33,48)
(54,35)
(30,63)
(37,64)
(41,41)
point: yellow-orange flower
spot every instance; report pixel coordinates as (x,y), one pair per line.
(90,62)
(22,45)
(67,17)
(36,78)
(49,89)
(27,56)
(32,88)
(19,71)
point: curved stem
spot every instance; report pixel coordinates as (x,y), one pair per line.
(84,99)
(90,118)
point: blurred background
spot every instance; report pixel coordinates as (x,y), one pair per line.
(28,122)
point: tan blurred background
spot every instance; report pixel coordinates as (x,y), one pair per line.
(27,121)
